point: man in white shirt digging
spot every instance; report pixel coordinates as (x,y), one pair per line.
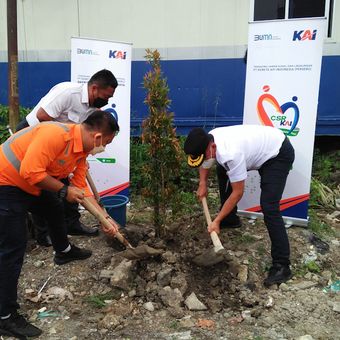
(237,149)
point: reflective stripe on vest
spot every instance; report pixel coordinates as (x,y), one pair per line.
(6,146)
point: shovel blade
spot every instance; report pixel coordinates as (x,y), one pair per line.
(208,258)
(140,252)
(212,257)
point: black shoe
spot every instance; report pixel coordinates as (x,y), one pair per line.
(82,229)
(74,254)
(231,223)
(17,326)
(278,273)
(44,241)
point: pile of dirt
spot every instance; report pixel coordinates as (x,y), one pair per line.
(169,297)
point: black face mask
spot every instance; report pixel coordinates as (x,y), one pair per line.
(99,102)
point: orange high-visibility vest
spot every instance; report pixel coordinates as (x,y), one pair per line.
(49,148)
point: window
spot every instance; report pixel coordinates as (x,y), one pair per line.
(289,9)
(269,9)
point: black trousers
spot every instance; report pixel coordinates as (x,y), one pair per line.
(14,205)
(71,212)
(71,216)
(273,175)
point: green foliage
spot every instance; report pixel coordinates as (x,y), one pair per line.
(324,189)
(245,239)
(174,324)
(319,227)
(322,195)
(186,177)
(312,267)
(4,132)
(302,269)
(261,250)
(162,146)
(98,301)
(138,160)
(324,164)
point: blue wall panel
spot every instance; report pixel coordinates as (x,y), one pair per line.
(35,80)
(328,119)
(203,92)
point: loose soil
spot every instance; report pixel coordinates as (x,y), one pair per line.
(88,305)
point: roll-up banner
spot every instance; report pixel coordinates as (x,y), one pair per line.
(282,88)
(110,169)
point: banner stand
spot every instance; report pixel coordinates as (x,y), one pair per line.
(110,170)
(289,221)
(282,89)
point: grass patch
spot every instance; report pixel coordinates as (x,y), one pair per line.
(300,271)
(309,267)
(252,262)
(98,301)
(245,239)
(319,227)
(261,250)
(312,267)
(174,324)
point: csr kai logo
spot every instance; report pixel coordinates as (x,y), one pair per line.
(284,117)
(304,35)
(117,54)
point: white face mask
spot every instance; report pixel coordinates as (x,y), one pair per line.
(208,163)
(97,149)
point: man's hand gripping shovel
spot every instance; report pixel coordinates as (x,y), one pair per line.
(218,253)
(131,252)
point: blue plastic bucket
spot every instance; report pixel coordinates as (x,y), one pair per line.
(116,207)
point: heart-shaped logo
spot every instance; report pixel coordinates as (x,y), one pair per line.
(279,118)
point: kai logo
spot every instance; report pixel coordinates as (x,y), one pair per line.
(117,54)
(284,117)
(304,35)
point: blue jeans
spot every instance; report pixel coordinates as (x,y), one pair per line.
(14,205)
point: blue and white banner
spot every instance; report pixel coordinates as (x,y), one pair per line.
(282,88)
(110,169)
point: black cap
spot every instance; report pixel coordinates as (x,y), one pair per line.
(195,146)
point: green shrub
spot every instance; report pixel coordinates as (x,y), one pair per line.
(164,154)
(4,132)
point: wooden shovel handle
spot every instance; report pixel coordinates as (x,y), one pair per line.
(102,219)
(214,237)
(92,186)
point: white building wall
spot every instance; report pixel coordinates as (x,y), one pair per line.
(45,27)
(180,29)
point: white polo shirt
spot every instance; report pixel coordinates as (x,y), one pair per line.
(66,102)
(241,148)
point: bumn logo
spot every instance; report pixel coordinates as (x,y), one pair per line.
(86,51)
(258,37)
(304,35)
(117,54)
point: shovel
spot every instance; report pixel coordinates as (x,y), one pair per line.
(130,253)
(218,253)
(94,189)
